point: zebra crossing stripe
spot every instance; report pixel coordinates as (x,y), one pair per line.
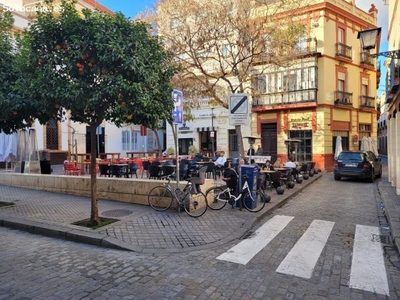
(303,257)
(243,252)
(368,266)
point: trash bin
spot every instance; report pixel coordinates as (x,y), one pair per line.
(249,173)
(45,165)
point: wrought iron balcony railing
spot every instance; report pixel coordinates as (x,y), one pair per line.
(365,59)
(343,98)
(366,101)
(343,50)
(285,98)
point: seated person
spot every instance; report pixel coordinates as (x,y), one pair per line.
(230,176)
(292,165)
(220,162)
(278,163)
(268,166)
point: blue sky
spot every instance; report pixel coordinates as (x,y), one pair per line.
(130,8)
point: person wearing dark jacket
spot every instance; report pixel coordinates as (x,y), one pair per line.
(230,176)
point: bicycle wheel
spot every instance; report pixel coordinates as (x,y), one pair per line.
(195,204)
(160,198)
(255,201)
(215,198)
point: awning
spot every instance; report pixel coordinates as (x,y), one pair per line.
(201,129)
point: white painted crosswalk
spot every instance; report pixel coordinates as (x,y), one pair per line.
(303,257)
(243,252)
(368,270)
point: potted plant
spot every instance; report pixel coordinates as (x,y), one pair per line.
(192,150)
(170,151)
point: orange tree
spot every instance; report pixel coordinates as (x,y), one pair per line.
(16,112)
(97,67)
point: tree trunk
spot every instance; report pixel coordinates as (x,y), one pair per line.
(94,214)
(158,143)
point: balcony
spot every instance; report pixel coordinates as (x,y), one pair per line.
(286,98)
(367,102)
(343,98)
(343,51)
(366,59)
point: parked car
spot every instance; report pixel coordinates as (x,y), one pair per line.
(358,164)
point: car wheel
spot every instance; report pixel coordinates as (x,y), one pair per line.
(372,178)
(337,177)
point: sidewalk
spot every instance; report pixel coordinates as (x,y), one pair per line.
(139,228)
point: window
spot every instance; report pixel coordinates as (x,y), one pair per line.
(289,82)
(259,84)
(52,134)
(304,150)
(130,140)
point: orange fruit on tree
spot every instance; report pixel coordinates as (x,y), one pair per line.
(123,104)
(14,112)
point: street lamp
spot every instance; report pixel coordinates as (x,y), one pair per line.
(369,38)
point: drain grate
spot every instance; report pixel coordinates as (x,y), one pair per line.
(117,213)
(383,239)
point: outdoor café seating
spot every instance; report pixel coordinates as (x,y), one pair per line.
(132,169)
(118,170)
(104,170)
(154,172)
(145,168)
(70,168)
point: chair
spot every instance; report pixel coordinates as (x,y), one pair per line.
(70,168)
(115,171)
(104,170)
(132,169)
(145,165)
(262,181)
(276,178)
(154,171)
(183,171)
(286,176)
(166,171)
(210,171)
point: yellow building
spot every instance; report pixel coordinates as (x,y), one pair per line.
(328,91)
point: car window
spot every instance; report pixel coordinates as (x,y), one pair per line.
(350,156)
(371,155)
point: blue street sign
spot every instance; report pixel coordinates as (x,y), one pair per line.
(177,112)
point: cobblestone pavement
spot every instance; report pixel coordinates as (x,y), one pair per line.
(139,227)
(38,267)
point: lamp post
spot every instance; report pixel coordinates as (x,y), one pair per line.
(212,132)
(369,39)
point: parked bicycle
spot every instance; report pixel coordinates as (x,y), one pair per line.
(253,201)
(190,198)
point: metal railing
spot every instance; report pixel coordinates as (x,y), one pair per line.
(343,50)
(343,98)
